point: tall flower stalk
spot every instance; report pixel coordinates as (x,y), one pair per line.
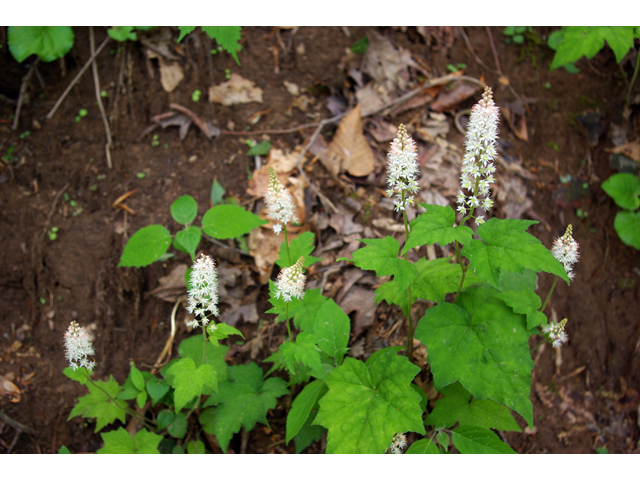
(403,170)
(290,285)
(203,295)
(280,207)
(565,250)
(478,166)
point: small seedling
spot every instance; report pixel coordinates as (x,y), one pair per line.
(81,114)
(93,187)
(227,73)
(43,301)
(214,51)
(140,175)
(360,46)
(25,135)
(53,233)
(165,146)
(581,214)
(515,34)
(155,141)
(458,66)
(65,197)
(547,85)
(73,203)
(195,96)
(104,94)
(102,176)
(8,157)
(553,145)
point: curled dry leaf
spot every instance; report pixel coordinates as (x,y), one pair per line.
(517,122)
(631,150)
(382,131)
(349,150)
(449,99)
(8,388)
(264,246)
(171,285)
(171,74)
(236,90)
(385,64)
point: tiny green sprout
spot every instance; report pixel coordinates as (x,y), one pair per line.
(214,51)
(53,233)
(585,185)
(77,118)
(602,450)
(73,203)
(592,230)
(104,94)
(140,175)
(553,145)
(227,73)
(66,197)
(102,176)
(59,298)
(43,300)
(547,85)
(77,212)
(9,155)
(582,214)
(93,187)
(195,96)
(166,146)
(452,68)
(91,160)
(155,141)
(25,135)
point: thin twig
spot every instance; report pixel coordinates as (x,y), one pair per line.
(473,53)
(220,244)
(194,118)
(17,425)
(53,207)
(96,82)
(495,52)
(77,77)
(23,89)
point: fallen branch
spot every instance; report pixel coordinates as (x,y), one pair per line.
(23,89)
(194,118)
(96,82)
(77,77)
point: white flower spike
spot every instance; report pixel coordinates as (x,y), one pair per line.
(203,295)
(290,282)
(78,347)
(402,169)
(565,250)
(477,165)
(398,443)
(279,202)
(556,333)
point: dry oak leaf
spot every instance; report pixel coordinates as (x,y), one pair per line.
(171,75)
(236,90)
(631,150)
(8,388)
(349,150)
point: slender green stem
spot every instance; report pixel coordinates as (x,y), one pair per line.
(633,79)
(538,345)
(204,347)
(549,295)
(286,241)
(286,306)
(130,411)
(409,350)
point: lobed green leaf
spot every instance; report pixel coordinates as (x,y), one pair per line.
(527,302)
(301,246)
(98,405)
(469,439)
(120,442)
(436,225)
(49,43)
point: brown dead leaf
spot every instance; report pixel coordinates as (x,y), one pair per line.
(171,285)
(517,123)
(236,90)
(631,150)
(360,300)
(382,131)
(249,313)
(171,74)
(8,388)
(385,64)
(449,99)
(264,246)
(349,150)
(371,98)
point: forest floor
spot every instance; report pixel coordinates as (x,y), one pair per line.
(555,153)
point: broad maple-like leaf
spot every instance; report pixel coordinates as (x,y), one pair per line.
(527,302)
(366,405)
(505,246)
(120,442)
(243,400)
(381,255)
(436,226)
(99,406)
(470,440)
(189,380)
(481,343)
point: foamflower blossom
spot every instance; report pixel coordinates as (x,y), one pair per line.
(398,443)
(78,347)
(402,169)
(555,332)
(477,164)
(279,202)
(290,282)
(203,295)
(565,250)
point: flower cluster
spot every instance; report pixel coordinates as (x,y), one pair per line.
(290,282)
(78,348)
(203,295)
(477,165)
(402,169)
(279,202)
(565,250)
(555,332)
(398,443)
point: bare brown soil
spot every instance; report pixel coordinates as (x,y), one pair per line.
(586,399)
